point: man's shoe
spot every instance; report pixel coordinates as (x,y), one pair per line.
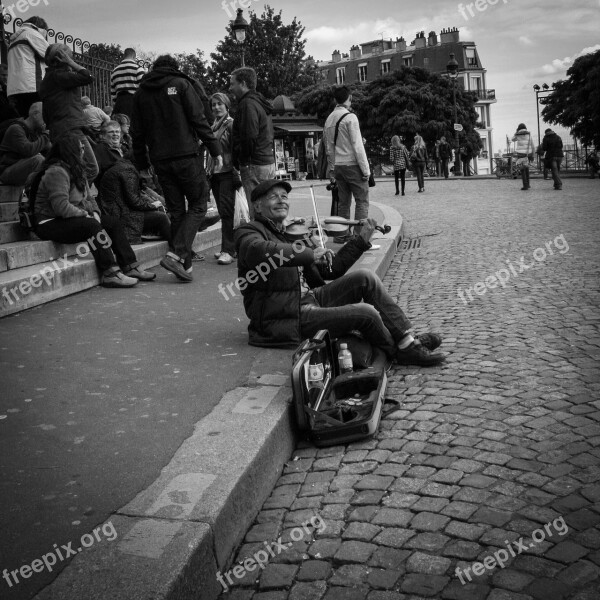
(225,258)
(217,255)
(397,194)
(417,354)
(116,279)
(140,274)
(197,257)
(175,267)
(431,341)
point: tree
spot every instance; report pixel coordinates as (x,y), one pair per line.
(273,49)
(111,53)
(575,102)
(192,65)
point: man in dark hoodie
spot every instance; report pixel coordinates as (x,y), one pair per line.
(252,135)
(552,145)
(167,123)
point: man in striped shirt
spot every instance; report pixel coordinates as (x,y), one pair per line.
(124,83)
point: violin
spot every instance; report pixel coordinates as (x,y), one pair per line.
(339,226)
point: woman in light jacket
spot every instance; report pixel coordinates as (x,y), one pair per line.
(524,151)
(400,159)
(222,181)
(419,158)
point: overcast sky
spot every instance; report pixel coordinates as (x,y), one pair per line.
(520,42)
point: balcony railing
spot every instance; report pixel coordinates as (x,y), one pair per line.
(486,94)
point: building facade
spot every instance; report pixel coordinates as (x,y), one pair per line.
(370,60)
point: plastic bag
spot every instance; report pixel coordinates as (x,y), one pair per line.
(241,213)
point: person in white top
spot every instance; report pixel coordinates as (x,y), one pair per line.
(26,66)
(348,163)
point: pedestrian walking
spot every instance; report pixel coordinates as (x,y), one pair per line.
(26,66)
(524,151)
(168,119)
(400,159)
(553,147)
(419,158)
(124,82)
(436,158)
(252,132)
(540,152)
(346,156)
(445,155)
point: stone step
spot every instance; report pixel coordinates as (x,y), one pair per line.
(30,286)
(9,211)
(15,255)
(11,231)
(10,193)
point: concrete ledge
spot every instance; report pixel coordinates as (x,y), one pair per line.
(9,211)
(11,231)
(10,193)
(175,535)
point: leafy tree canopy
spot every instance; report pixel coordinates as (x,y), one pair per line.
(275,50)
(575,102)
(192,65)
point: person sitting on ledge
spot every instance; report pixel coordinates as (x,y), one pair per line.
(94,116)
(286,297)
(22,147)
(66,213)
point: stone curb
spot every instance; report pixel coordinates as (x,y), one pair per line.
(177,534)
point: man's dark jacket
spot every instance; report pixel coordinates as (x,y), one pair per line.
(61,99)
(20,142)
(273,306)
(169,118)
(444,151)
(252,135)
(552,145)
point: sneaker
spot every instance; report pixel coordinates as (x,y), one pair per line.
(431,341)
(197,257)
(175,267)
(225,258)
(140,274)
(116,279)
(217,255)
(417,354)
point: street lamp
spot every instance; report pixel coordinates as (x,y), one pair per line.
(239,27)
(543,90)
(452,70)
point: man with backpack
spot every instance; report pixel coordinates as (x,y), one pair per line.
(347,159)
(22,147)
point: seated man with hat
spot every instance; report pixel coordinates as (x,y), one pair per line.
(287,299)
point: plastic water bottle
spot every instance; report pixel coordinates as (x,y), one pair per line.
(345,359)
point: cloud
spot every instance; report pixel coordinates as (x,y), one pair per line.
(560,65)
(526,41)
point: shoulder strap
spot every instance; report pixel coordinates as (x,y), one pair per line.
(337,127)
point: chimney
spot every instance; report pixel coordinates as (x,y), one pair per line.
(432,40)
(449,35)
(420,41)
(355,52)
(336,56)
(400,44)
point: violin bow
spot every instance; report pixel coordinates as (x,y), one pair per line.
(319,228)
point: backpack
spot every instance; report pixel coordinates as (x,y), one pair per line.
(27,202)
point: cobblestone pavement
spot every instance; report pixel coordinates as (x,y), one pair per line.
(497,452)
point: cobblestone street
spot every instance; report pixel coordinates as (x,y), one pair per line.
(485,483)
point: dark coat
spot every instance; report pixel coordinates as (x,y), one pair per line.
(445,151)
(169,118)
(252,133)
(552,145)
(272,302)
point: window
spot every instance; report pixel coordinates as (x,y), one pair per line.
(362,72)
(408,61)
(481,115)
(476,85)
(471,58)
(340,75)
(426,63)
(385,66)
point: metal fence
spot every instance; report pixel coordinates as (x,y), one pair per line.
(85,53)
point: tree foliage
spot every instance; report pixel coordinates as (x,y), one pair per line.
(193,65)
(405,102)
(111,53)
(575,102)
(276,52)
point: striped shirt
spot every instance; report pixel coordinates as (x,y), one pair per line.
(399,156)
(126,77)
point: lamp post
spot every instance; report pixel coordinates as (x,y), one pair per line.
(544,89)
(452,70)
(239,27)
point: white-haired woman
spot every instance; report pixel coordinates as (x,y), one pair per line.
(400,159)
(419,158)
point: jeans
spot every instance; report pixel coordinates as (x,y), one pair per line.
(349,179)
(84,229)
(438,167)
(181,179)
(420,173)
(355,301)
(251,176)
(401,174)
(555,166)
(221,185)
(445,167)
(17,174)
(157,222)
(123,104)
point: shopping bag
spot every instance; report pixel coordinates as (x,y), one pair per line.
(241,213)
